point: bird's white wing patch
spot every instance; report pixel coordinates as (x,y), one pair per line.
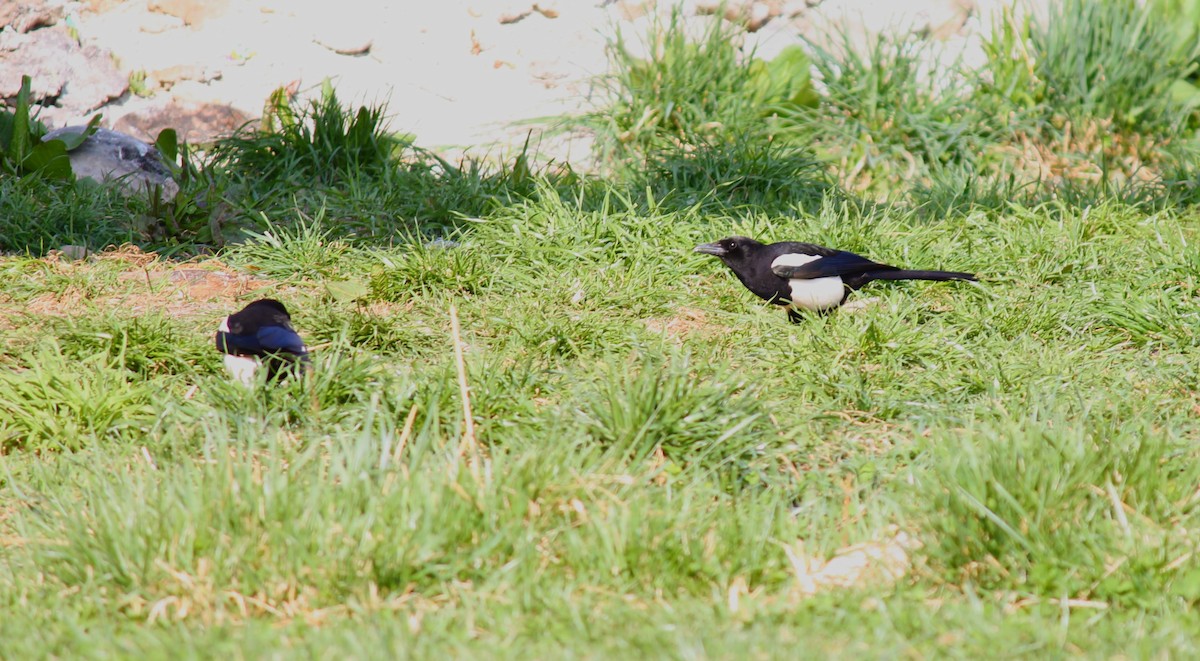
(794,259)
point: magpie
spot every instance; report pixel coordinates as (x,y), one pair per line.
(805,276)
(261,333)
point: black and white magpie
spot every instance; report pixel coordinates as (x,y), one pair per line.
(804,276)
(260,333)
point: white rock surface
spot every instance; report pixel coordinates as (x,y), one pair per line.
(453,72)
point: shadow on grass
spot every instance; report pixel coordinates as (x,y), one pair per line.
(752,175)
(963,191)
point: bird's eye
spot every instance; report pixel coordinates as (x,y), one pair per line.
(730,244)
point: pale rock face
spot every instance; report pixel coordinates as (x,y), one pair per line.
(478,70)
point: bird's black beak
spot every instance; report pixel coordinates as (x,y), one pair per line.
(711,249)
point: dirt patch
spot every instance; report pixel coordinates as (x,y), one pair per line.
(685,322)
(134,282)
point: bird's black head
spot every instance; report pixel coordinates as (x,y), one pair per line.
(267,306)
(731,250)
(260,313)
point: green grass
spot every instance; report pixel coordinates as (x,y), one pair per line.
(1035,433)
(655,452)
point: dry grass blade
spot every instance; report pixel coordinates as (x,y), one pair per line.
(469,448)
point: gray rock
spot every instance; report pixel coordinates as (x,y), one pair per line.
(74,253)
(112,156)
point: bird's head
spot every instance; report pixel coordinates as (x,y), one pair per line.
(268,304)
(731,250)
(263,312)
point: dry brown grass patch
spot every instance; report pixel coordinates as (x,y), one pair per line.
(134,282)
(1077,152)
(685,322)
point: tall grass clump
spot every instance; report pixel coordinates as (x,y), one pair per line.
(305,248)
(1088,101)
(883,118)
(1110,61)
(719,174)
(1057,504)
(321,142)
(660,406)
(38,215)
(326,158)
(61,404)
(686,89)
(696,116)
(146,346)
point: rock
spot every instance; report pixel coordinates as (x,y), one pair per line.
(110,155)
(194,122)
(74,253)
(70,80)
(29,15)
(193,12)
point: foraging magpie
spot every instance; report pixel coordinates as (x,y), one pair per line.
(260,333)
(804,276)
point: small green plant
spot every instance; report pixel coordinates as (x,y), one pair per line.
(22,149)
(196,212)
(137,84)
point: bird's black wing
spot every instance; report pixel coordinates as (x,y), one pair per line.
(806,261)
(276,339)
(271,339)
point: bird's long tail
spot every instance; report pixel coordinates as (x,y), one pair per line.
(902,274)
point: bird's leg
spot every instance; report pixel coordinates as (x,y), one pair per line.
(794,317)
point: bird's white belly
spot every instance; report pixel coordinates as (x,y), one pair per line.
(817,294)
(241,368)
